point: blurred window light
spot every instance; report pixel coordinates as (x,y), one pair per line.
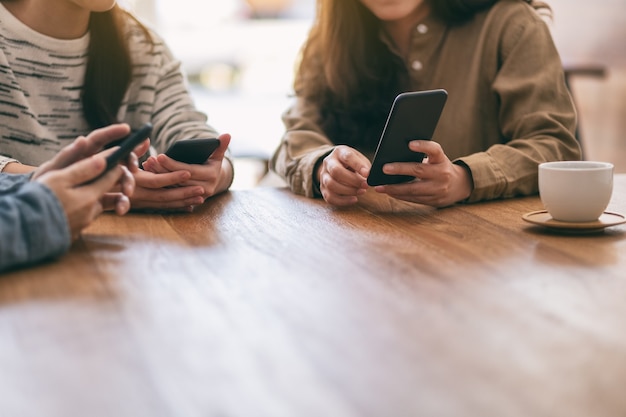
(239,56)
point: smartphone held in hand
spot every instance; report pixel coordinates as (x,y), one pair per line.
(193,151)
(127,145)
(413,116)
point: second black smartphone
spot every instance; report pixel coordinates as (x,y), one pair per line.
(193,151)
(413,115)
(127,145)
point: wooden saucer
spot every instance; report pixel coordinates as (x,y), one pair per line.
(543,218)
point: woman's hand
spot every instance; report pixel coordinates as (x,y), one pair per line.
(84,147)
(73,176)
(118,196)
(158,191)
(165,191)
(166,183)
(342,176)
(438,182)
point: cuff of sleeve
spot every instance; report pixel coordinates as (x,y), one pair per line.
(58,218)
(489,180)
(309,163)
(5,161)
(47,227)
(469,172)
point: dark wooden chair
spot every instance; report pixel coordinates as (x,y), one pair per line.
(582,70)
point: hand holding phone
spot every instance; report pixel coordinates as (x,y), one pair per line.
(127,145)
(413,116)
(193,151)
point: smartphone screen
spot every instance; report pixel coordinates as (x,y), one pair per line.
(413,115)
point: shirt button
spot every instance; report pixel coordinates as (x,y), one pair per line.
(422,28)
(417,65)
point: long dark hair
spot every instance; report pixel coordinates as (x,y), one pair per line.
(109,66)
(348,71)
(352,75)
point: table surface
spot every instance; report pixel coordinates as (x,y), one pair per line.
(262,303)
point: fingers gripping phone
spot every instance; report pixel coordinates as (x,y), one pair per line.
(193,151)
(127,145)
(413,115)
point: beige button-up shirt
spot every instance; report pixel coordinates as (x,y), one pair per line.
(508,107)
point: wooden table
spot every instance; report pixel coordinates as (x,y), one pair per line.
(262,303)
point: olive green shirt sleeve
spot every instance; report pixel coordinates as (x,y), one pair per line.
(302,147)
(536,111)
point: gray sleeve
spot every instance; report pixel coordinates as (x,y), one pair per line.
(32,222)
(10,183)
(175,115)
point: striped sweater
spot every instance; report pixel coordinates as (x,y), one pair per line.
(41,80)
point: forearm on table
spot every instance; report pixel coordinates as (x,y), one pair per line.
(18,168)
(298,170)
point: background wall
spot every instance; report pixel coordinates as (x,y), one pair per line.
(594,32)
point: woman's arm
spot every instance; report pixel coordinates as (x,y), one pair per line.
(301,149)
(535,111)
(174,117)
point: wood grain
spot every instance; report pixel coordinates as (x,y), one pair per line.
(262,303)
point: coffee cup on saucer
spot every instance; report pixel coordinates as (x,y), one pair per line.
(575,191)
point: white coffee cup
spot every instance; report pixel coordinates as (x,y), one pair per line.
(575,191)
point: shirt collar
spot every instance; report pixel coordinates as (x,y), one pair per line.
(431,27)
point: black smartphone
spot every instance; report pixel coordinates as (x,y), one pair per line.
(413,115)
(127,145)
(193,151)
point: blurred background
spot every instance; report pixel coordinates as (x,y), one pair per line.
(240,57)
